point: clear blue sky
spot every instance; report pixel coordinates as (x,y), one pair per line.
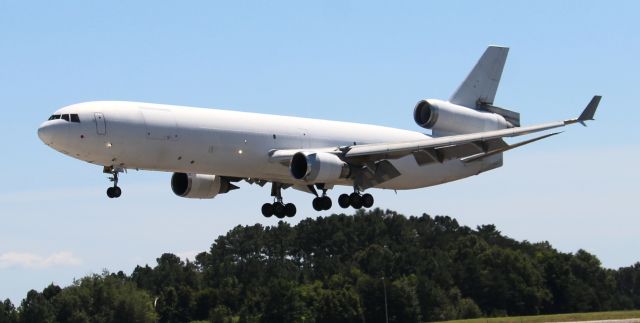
(362,61)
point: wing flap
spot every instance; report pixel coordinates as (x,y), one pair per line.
(440,154)
(505,148)
(375,173)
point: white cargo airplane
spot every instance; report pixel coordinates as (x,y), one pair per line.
(208,150)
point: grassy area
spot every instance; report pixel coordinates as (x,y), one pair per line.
(596,316)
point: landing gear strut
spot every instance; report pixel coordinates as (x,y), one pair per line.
(115,191)
(355,200)
(278,208)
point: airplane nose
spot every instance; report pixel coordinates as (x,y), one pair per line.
(45,132)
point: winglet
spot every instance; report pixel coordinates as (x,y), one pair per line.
(590,110)
(587,113)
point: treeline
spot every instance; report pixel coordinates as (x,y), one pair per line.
(343,268)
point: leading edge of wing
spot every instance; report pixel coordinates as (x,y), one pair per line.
(396,150)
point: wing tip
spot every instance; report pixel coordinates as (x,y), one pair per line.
(590,110)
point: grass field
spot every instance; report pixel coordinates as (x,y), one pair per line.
(596,316)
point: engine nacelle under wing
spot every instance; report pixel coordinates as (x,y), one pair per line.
(446,118)
(318,167)
(199,186)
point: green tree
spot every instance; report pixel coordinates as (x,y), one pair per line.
(103,298)
(8,312)
(330,269)
(36,308)
(285,303)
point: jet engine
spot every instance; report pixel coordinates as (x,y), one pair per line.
(199,186)
(318,167)
(446,118)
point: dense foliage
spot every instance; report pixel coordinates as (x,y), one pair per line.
(345,269)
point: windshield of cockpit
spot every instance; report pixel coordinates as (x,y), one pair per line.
(66,117)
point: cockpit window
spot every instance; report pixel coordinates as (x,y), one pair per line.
(67,117)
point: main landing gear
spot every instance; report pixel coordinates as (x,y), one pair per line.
(355,200)
(278,208)
(115,191)
(322,203)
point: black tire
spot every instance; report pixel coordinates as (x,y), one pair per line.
(267,210)
(355,200)
(367,200)
(110,192)
(117,192)
(290,210)
(317,204)
(278,210)
(326,203)
(344,201)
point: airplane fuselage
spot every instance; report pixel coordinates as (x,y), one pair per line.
(133,135)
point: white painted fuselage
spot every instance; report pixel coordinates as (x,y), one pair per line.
(145,136)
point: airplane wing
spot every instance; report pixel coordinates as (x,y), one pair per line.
(466,147)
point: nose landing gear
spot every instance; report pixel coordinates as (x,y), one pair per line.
(115,191)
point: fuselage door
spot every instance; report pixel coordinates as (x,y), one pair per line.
(101,126)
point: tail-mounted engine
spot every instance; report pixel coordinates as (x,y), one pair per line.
(199,186)
(318,167)
(446,118)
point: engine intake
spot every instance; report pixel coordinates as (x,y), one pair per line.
(318,167)
(448,118)
(199,186)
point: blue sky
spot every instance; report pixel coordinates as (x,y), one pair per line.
(361,61)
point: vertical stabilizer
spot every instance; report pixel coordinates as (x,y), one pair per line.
(480,86)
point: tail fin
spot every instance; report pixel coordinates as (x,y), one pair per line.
(480,86)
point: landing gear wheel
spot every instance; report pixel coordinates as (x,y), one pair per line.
(278,210)
(322,203)
(267,210)
(344,201)
(290,210)
(110,192)
(317,204)
(325,203)
(117,192)
(355,200)
(367,200)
